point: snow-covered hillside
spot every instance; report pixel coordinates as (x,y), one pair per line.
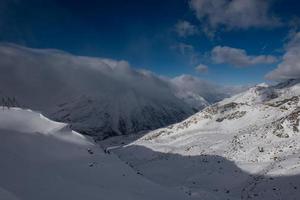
(99,97)
(43,159)
(244,147)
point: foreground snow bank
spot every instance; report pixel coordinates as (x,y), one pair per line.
(43,159)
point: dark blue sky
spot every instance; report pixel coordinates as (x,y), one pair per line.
(143,33)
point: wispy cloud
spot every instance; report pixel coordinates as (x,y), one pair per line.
(188,51)
(185,28)
(239,57)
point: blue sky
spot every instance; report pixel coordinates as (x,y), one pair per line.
(146,33)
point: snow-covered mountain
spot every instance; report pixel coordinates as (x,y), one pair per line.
(244,147)
(99,97)
(43,159)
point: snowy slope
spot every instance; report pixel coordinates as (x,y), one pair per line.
(244,147)
(43,159)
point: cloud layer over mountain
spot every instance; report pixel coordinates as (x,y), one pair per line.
(97,94)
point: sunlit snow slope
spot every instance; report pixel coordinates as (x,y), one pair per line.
(244,147)
(45,160)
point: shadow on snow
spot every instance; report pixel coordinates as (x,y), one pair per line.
(208,173)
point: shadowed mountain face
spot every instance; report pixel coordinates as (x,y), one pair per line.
(124,114)
(209,176)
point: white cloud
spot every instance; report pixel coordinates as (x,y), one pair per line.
(185,28)
(231,14)
(290,66)
(201,68)
(239,57)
